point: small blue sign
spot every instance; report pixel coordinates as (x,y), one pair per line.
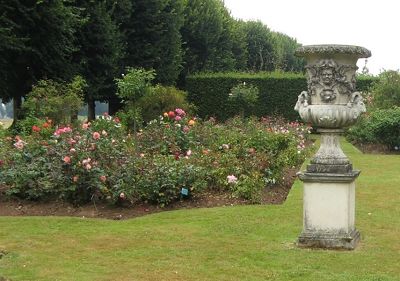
(185,191)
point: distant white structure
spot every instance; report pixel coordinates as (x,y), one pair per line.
(3,110)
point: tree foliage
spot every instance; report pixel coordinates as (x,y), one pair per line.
(208,35)
(386,90)
(39,39)
(101,49)
(54,100)
(152,33)
(58,39)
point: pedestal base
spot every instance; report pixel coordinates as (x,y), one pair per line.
(329,240)
(329,211)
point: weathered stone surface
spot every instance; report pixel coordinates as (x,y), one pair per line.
(329,211)
(331,100)
(330,168)
(330,104)
(332,49)
(329,240)
(329,177)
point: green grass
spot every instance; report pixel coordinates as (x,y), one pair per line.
(227,243)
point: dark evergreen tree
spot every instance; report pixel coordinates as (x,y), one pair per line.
(101,52)
(38,38)
(153,37)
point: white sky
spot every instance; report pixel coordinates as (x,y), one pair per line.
(372,24)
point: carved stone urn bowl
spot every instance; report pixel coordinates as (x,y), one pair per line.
(331,100)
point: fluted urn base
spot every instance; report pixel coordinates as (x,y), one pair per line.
(330,157)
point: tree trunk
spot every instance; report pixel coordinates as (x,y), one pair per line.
(114,105)
(74,117)
(260,52)
(17,104)
(91,110)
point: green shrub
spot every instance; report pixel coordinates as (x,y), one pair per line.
(386,90)
(249,187)
(57,101)
(381,126)
(242,100)
(161,179)
(144,102)
(134,84)
(162,99)
(278,92)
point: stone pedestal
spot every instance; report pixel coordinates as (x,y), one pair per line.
(329,211)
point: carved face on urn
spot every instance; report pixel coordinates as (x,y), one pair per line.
(327,76)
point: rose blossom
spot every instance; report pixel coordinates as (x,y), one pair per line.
(75,178)
(67,159)
(180,112)
(96,135)
(103,178)
(231,179)
(20,143)
(171,114)
(86,161)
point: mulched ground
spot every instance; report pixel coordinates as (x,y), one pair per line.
(15,207)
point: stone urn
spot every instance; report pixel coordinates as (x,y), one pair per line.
(330,104)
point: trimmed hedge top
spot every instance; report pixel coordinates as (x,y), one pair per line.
(278,92)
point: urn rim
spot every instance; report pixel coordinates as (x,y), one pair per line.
(330,49)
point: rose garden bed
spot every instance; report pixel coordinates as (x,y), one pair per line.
(98,170)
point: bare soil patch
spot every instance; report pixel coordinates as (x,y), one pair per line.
(16,207)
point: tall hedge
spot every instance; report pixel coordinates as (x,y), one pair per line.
(278,92)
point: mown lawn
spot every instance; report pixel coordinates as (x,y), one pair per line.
(228,243)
